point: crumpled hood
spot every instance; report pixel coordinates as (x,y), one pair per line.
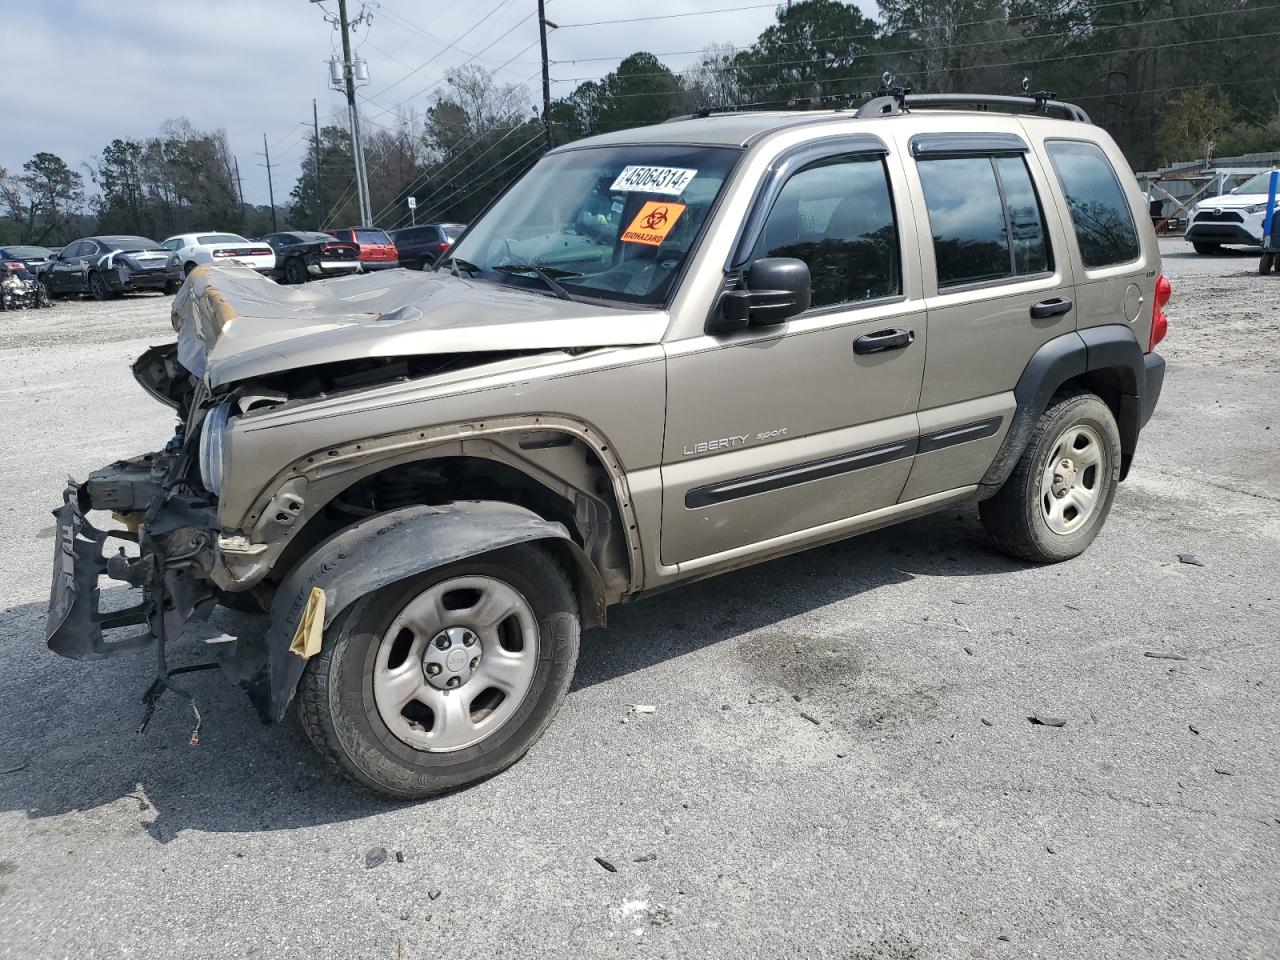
(234,324)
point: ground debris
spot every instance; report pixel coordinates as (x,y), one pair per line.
(1194,729)
(1044,720)
(812,719)
(376,857)
(399,856)
(1156,655)
(1190,558)
(1224,771)
(606,864)
(646,858)
(643,708)
(968,650)
(986,722)
(433,894)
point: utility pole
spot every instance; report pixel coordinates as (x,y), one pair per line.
(315,119)
(357,148)
(239,185)
(271,189)
(546,71)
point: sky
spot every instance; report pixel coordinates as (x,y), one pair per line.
(101,69)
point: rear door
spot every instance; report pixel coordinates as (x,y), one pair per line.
(776,432)
(998,285)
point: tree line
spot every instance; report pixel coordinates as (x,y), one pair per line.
(1169,79)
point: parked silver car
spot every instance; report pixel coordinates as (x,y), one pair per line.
(663,354)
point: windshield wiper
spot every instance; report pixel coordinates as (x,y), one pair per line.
(542,275)
(455,262)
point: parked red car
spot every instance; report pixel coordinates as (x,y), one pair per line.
(377,250)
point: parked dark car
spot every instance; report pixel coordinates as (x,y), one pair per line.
(305,254)
(377,250)
(422,246)
(35,259)
(109,266)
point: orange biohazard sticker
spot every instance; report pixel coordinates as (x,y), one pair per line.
(653,223)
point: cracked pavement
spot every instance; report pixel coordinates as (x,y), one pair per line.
(921,816)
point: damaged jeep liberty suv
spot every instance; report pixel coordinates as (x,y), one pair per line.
(662,354)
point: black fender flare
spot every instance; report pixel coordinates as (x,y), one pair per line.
(381,550)
(1111,347)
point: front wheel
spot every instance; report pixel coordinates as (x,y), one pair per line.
(1059,494)
(438,681)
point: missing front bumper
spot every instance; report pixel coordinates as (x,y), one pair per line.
(76,626)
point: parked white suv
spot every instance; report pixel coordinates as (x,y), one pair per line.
(190,250)
(1234,218)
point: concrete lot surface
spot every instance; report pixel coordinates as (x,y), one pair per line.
(840,763)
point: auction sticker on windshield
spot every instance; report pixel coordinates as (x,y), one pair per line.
(668,180)
(653,223)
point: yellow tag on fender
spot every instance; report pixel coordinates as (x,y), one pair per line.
(653,223)
(306,639)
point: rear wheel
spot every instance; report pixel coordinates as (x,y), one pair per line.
(446,678)
(294,271)
(188,267)
(98,287)
(1267,263)
(1207,249)
(1059,494)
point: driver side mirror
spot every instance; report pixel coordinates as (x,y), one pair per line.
(777,288)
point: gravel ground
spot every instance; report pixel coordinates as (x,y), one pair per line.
(840,764)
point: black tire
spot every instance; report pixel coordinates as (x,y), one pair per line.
(294,271)
(1207,249)
(1266,263)
(335,696)
(1015,517)
(171,287)
(188,267)
(98,287)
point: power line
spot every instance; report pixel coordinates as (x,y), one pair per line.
(668,16)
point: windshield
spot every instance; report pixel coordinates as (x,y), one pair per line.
(219,238)
(1260,183)
(615,223)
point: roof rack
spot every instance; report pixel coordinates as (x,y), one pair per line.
(1042,102)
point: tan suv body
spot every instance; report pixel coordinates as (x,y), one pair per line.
(684,349)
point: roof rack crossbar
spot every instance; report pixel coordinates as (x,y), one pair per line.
(1029,104)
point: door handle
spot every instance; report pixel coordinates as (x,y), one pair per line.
(1050,308)
(883,340)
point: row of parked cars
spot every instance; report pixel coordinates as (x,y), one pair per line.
(110,265)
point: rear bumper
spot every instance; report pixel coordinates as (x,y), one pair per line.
(1154,366)
(371,265)
(127,281)
(318,268)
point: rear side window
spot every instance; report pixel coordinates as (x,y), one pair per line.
(985,219)
(1099,211)
(837,216)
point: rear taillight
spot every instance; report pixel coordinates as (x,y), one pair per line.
(260,252)
(1159,322)
(444,245)
(14,265)
(224,253)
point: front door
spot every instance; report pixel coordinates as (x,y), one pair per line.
(775,431)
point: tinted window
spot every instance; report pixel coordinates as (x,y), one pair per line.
(1026,222)
(27,253)
(837,216)
(985,219)
(1099,210)
(372,236)
(966,217)
(220,238)
(453,231)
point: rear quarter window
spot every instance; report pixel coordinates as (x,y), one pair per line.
(1100,212)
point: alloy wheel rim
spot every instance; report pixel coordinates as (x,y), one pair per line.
(1071,483)
(456,663)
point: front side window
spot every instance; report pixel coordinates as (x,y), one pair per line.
(985,219)
(1099,211)
(837,216)
(609,223)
